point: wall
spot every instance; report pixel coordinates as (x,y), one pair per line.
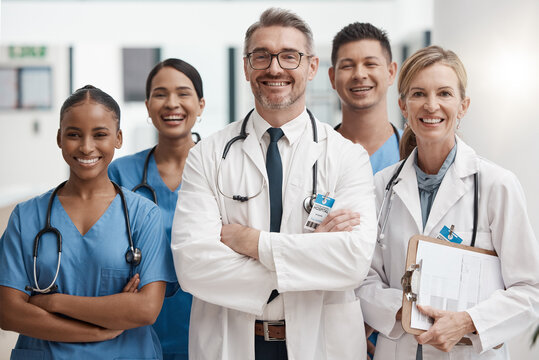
(498,43)
(199,32)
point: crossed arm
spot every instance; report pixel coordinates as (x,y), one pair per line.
(244,240)
(89,319)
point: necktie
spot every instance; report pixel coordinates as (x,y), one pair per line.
(274,168)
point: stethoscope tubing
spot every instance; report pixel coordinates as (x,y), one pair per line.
(144,182)
(133,253)
(308,202)
(388,197)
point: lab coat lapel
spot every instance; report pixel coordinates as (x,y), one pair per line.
(301,167)
(406,189)
(453,186)
(251,148)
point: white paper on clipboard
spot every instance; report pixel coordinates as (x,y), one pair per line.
(453,279)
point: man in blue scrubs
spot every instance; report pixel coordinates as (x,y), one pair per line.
(362,70)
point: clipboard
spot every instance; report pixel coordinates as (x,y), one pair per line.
(412,277)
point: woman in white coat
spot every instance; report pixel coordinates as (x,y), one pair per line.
(435,188)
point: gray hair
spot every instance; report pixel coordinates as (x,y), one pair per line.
(279,17)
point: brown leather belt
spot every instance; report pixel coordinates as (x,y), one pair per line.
(271,330)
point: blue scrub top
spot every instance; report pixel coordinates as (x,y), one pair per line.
(172,325)
(92,265)
(387,154)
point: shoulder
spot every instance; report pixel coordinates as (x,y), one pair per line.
(129,160)
(139,206)
(336,140)
(492,175)
(35,203)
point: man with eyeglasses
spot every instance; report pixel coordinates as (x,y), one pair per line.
(264,285)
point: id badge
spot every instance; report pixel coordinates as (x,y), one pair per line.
(321,208)
(449,235)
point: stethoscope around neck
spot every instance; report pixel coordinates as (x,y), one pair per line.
(133,256)
(309,200)
(144,182)
(388,198)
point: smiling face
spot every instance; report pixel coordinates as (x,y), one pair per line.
(173,104)
(275,88)
(362,74)
(88,137)
(433,104)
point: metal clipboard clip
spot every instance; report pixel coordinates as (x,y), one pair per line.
(410,281)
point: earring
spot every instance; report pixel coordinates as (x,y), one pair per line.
(199,119)
(149,120)
(458,124)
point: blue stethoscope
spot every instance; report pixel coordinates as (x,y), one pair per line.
(388,197)
(144,183)
(309,200)
(133,256)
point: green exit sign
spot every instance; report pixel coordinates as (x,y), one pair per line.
(23,52)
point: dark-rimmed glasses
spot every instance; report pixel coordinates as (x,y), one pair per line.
(287,59)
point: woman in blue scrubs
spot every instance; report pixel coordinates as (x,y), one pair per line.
(174,100)
(94,311)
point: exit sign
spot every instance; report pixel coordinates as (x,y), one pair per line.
(27,52)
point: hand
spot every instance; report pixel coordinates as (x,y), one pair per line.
(448,328)
(370,346)
(241,239)
(339,220)
(132,284)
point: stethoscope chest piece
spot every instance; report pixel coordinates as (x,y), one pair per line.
(308,203)
(133,256)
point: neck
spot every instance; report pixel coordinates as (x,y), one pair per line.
(87,189)
(368,127)
(431,156)
(173,150)
(278,117)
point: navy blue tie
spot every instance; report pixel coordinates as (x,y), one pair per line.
(274,168)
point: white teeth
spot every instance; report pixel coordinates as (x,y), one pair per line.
(431,121)
(361,89)
(276,83)
(87,161)
(173,117)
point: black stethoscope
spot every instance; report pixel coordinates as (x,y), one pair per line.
(133,256)
(388,197)
(309,200)
(144,183)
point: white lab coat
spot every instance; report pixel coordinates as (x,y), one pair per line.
(503,226)
(315,273)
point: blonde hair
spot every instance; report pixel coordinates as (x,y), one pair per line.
(426,57)
(420,60)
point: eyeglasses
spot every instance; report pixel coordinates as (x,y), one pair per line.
(288,60)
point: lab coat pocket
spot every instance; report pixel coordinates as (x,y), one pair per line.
(112,281)
(25,354)
(344,331)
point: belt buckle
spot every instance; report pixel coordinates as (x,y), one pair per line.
(266,325)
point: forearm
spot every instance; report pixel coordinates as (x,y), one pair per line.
(119,311)
(17,315)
